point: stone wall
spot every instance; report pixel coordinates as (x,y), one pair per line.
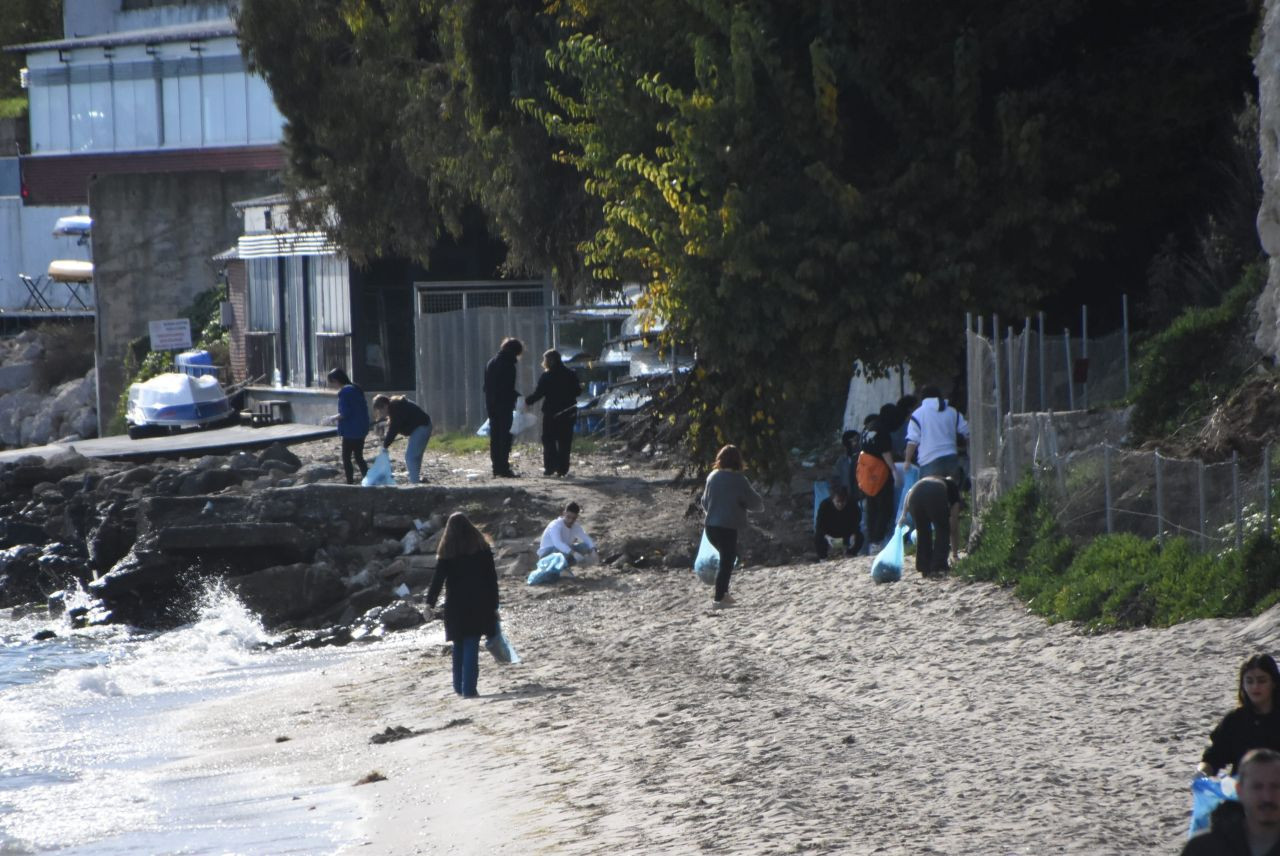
(153,240)
(1267,68)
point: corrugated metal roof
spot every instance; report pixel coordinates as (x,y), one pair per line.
(285,244)
(192,31)
(273,199)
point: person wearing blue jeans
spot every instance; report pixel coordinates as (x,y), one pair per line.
(466,573)
(405,417)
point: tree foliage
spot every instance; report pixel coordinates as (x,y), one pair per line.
(24,22)
(798,185)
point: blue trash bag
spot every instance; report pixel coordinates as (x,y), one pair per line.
(909,478)
(548,570)
(887,568)
(707,563)
(501,648)
(821,490)
(1206,795)
(379,471)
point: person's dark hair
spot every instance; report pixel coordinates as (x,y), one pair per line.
(847,440)
(932,391)
(511,345)
(890,418)
(1263,663)
(337,375)
(907,405)
(1254,756)
(460,538)
(729,458)
(552,359)
(381,402)
(840,492)
(572,508)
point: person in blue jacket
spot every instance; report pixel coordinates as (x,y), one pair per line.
(353,423)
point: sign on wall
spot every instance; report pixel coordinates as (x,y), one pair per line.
(170,335)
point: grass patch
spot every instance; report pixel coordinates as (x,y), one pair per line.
(465,442)
(13,108)
(1116,581)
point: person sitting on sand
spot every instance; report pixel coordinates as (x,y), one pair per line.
(1250,827)
(565,536)
(838,518)
(934,506)
(465,570)
(726,499)
(1255,724)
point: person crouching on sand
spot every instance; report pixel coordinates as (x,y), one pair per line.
(565,536)
(726,499)
(1255,724)
(464,568)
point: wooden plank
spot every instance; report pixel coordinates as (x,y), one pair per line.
(219,441)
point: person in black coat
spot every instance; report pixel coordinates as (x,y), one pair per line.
(558,390)
(500,402)
(1255,724)
(838,518)
(464,568)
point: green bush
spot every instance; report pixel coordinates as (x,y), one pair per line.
(1184,367)
(1019,543)
(13,108)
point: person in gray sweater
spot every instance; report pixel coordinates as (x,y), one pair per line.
(726,500)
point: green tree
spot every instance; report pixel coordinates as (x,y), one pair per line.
(401,124)
(24,22)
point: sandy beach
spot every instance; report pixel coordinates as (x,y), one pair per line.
(822,713)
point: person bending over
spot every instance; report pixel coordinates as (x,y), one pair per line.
(566,536)
(405,417)
(838,518)
(934,506)
(1255,724)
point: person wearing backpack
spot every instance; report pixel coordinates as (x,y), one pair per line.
(934,434)
(877,475)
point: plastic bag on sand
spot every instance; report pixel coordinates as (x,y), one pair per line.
(548,569)
(501,648)
(707,563)
(887,568)
(379,471)
(1206,795)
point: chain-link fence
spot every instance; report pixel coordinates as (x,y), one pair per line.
(1027,414)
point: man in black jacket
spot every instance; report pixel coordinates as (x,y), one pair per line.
(500,401)
(558,390)
(1252,826)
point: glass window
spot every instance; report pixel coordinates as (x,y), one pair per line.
(101,111)
(234,108)
(214,107)
(122,106)
(38,104)
(262,295)
(81,108)
(146,112)
(265,122)
(189,104)
(59,139)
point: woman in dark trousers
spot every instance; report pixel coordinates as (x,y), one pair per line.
(1255,724)
(353,422)
(934,506)
(464,568)
(726,499)
(558,390)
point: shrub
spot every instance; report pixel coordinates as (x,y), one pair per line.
(1184,367)
(1019,543)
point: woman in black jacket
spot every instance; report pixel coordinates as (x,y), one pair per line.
(1255,724)
(464,567)
(558,390)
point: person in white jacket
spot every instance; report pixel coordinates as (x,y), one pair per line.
(566,536)
(934,434)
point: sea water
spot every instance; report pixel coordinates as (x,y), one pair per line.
(94,759)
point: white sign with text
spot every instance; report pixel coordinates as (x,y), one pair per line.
(170,335)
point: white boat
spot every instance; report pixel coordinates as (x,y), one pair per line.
(173,401)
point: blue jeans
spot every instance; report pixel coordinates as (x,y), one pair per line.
(466,665)
(414,450)
(941,467)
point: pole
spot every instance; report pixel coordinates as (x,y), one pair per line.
(1204,546)
(1106,477)
(1235,497)
(1084,354)
(1159,502)
(1026,357)
(1044,399)
(1071,390)
(995,356)
(1266,490)
(1124,307)
(1012,433)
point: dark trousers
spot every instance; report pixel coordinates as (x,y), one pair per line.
(880,510)
(932,516)
(500,441)
(466,665)
(353,450)
(725,540)
(557,441)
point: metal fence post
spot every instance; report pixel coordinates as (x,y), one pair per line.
(1044,399)
(1071,388)
(1084,355)
(999,420)
(1204,546)
(1026,359)
(1106,476)
(1235,497)
(1124,314)
(1159,501)
(1011,433)
(1266,490)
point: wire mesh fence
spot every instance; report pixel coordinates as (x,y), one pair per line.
(1027,415)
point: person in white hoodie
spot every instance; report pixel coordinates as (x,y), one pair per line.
(566,536)
(933,433)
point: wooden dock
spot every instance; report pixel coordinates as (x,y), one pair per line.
(219,441)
